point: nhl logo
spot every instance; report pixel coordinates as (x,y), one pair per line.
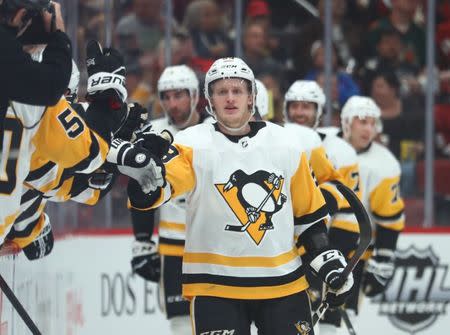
(416,296)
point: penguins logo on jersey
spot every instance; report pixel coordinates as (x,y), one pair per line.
(254,199)
(303,327)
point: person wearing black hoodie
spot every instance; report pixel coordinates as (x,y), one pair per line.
(22,79)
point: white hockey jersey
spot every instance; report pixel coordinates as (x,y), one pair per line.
(331,159)
(172,215)
(345,160)
(380,179)
(246,199)
(46,141)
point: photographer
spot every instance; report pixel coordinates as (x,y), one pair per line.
(22,79)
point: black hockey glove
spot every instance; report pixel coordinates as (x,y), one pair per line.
(328,266)
(42,245)
(146,261)
(380,269)
(137,163)
(100,179)
(157,144)
(106,90)
(137,117)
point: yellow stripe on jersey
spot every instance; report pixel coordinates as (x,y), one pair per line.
(307,199)
(241,261)
(247,293)
(171,250)
(179,170)
(9,220)
(387,205)
(322,166)
(64,138)
(172,226)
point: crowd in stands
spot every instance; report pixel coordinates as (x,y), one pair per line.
(379,49)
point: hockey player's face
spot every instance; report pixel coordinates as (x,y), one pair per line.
(177,105)
(302,112)
(231,100)
(363,131)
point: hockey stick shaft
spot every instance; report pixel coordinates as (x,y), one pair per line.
(365,236)
(18,307)
(249,222)
(347,321)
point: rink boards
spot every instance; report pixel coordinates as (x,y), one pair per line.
(85,287)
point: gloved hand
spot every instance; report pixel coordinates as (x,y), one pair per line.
(380,269)
(137,117)
(43,244)
(328,266)
(106,90)
(146,261)
(137,163)
(157,144)
(106,73)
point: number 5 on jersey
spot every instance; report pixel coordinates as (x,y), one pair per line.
(71,123)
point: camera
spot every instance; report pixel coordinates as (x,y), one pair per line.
(36,32)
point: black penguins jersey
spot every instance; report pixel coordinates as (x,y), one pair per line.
(247,197)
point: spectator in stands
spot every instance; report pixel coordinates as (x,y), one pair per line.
(345,35)
(390,57)
(205,23)
(403,125)
(256,49)
(334,98)
(347,87)
(142,29)
(401,18)
(273,83)
(138,90)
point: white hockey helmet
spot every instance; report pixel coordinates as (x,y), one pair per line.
(225,68)
(262,99)
(179,77)
(305,90)
(361,107)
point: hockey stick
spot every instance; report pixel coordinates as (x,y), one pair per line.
(365,236)
(249,222)
(347,321)
(18,307)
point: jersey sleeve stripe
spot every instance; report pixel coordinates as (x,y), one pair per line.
(172,241)
(40,172)
(393,217)
(172,226)
(318,215)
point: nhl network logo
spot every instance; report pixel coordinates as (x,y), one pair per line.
(416,296)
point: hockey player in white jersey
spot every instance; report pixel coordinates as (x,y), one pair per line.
(380,194)
(249,191)
(178,91)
